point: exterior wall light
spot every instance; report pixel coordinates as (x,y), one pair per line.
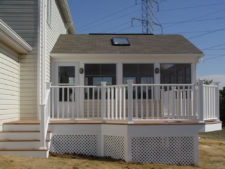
(157,70)
(81,70)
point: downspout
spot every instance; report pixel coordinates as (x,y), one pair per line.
(41,55)
(39,60)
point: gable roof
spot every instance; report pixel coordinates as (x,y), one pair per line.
(10,38)
(139,44)
(66,15)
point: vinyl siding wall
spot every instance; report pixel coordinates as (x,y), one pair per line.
(22,17)
(56,28)
(9,87)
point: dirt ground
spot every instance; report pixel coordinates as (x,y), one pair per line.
(211,156)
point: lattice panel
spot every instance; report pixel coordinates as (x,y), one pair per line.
(78,144)
(166,150)
(114,147)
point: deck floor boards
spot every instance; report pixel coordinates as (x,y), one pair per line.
(114,122)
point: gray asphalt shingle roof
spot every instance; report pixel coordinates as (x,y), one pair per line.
(140,44)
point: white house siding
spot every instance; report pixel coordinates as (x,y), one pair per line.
(22,17)
(56,28)
(9,87)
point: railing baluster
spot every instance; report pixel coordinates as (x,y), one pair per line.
(88,103)
(116,102)
(147,107)
(184,102)
(93,102)
(124,102)
(112,100)
(98,103)
(142,102)
(72,103)
(136,101)
(58,101)
(63,102)
(173,103)
(108,103)
(157,100)
(68,102)
(188,102)
(120,103)
(162,102)
(152,105)
(179,103)
(168,102)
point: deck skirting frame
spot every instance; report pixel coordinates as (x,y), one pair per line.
(168,144)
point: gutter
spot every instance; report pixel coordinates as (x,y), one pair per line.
(66,15)
(12,39)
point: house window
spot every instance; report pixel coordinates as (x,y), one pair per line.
(49,11)
(97,73)
(175,73)
(139,73)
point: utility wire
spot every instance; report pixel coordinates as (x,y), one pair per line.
(90,24)
(191,7)
(211,58)
(194,18)
(198,20)
(204,34)
(214,46)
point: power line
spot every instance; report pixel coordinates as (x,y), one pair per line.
(198,20)
(120,18)
(216,49)
(213,46)
(211,58)
(194,18)
(94,22)
(191,7)
(204,34)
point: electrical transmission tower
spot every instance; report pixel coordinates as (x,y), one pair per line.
(148,19)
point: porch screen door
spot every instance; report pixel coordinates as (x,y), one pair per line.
(66,76)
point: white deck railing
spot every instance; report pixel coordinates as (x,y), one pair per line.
(132,102)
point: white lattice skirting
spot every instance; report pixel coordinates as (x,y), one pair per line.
(166,144)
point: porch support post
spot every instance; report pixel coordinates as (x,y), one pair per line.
(156,75)
(201,101)
(119,73)
(157,81)
(130,101)
(103,100)
(193,73)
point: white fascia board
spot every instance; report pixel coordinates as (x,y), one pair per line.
(65,56)
(13,40)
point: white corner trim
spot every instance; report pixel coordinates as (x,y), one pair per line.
(11,38)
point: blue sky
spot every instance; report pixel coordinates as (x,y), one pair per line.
(201,21)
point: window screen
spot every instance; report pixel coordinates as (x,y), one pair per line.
(175,73)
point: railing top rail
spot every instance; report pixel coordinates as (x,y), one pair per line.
(125,85)
(211,85)
(69,86)
(122,85)
(163,84)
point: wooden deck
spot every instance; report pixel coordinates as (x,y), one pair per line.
(156,122)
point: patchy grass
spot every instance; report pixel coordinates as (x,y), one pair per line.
(216,135)
(211,156)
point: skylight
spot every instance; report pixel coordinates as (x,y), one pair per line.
(120,41)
